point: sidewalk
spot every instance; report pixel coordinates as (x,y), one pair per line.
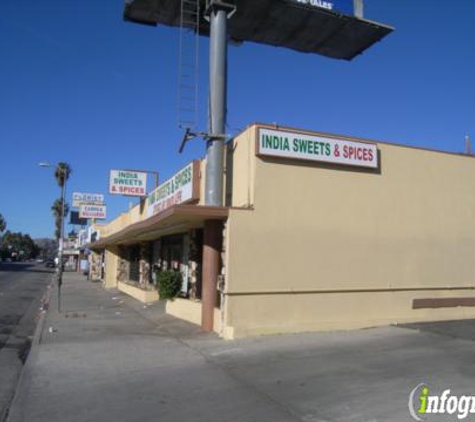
(107,358)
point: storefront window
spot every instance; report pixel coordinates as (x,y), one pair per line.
(134,259)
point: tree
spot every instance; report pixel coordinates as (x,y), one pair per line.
(18,246)
(3,223)
(56,210)
(62,173)
(47,247)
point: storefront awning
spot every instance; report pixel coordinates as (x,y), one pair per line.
(172,220)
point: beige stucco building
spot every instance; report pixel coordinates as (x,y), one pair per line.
(319,232)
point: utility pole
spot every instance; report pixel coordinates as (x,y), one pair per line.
(218,78)
(218,12)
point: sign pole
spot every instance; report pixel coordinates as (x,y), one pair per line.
(359,8)
(219,13)
(217,104)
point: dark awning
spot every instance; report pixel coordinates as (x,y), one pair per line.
(280,23)
(177,218)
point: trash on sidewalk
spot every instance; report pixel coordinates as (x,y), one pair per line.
(75,315)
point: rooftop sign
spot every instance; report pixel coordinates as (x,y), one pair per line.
(181,188)
(325,27)
(128,183)
(80,198)
(344,6)
(299,146)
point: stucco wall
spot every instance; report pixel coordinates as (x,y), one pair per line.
(243,168)
(328,233)
(112,261)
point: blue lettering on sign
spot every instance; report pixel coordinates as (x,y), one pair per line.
(343,6)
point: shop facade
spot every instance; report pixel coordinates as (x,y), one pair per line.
(318,232)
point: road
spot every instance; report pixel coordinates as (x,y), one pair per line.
(22,287)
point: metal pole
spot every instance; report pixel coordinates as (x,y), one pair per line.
(359,8)
(214,160)
(212,241)
(61,240)
(217,105)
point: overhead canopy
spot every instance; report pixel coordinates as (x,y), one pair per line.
(282,23)
(173,220)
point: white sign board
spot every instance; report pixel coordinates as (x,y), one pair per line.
(81,198)
(128,183)
(317,148)
(182,187)
(92,211)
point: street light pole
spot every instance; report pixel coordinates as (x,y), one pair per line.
(61,232)
(61,240)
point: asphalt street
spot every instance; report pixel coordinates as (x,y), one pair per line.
(22,286)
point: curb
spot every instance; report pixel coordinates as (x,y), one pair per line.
(41,321)
(26,367)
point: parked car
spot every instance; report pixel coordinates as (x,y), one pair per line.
(50,263)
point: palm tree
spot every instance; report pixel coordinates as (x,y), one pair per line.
(3,223)
(62,172)
(56,209)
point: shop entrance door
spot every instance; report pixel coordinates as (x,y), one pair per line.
(175,254)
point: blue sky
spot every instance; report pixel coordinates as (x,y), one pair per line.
(78,84)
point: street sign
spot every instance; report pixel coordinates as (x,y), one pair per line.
(81,198)
(128,183)
(93,211)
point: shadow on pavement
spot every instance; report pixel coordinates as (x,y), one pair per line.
(23,266)
(460,329)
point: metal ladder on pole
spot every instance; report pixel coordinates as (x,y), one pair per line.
(188,88)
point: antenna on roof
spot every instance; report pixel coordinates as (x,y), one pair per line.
(468,145)
(189,135)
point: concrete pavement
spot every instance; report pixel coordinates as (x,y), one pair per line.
(22,286)
(107,358)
